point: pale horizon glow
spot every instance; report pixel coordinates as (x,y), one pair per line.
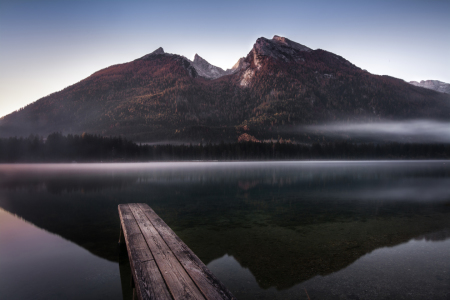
(49,45)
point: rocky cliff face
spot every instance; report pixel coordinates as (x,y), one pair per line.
(241,64)
(435,85)
(279,48)
(207,70)
(281,51)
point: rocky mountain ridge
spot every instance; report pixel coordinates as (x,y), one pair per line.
(207,70)
(435,85)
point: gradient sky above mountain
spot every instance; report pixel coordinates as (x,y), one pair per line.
(46,46)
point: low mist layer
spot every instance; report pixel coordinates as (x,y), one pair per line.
(419,131)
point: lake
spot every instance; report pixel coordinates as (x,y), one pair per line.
(267,230)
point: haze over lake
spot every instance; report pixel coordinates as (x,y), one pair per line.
(267,230)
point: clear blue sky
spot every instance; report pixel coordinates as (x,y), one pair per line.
(46,46)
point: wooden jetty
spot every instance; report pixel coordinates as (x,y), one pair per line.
(163,267)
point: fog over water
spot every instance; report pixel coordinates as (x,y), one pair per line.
(419,131)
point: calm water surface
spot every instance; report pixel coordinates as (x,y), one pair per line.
(268,230)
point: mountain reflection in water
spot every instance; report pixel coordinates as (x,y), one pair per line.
(286,222)
(411,266)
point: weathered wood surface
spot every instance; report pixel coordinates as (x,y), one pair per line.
(163,267)
(149,283)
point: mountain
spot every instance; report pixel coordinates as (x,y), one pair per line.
(278,87)
(239,65)
(206,70)
(435,85)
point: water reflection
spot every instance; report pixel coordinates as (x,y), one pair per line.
(286,223)
(103,176)
(419,268)
(35,264)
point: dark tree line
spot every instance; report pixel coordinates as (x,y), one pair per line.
(92,148)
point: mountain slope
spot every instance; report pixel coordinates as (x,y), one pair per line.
(280,84)
(119,96)
(297,85)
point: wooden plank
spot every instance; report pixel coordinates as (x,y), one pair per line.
(178,281)
(136,245)
(128,221)
(147,277)
(210,286)
(139,249)
(151,284)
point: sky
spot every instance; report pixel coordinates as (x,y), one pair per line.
(46,46)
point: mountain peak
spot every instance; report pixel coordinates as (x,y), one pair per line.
(287,42)
(199,59)
(160,50)
(279,48)
(278,38)
(278,43)
(205,69)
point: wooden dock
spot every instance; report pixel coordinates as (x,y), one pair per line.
(163,267)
